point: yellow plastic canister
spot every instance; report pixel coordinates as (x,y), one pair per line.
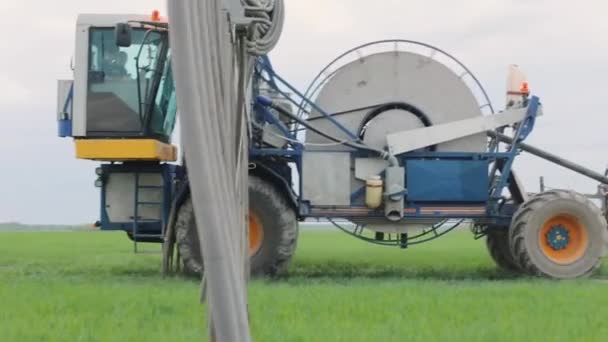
(373,192)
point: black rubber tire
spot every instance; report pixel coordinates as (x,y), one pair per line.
(186,238)
(529,220)
(280,227)
(497,242)
(146,239)
(278,220)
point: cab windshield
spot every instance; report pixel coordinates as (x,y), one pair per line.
(130,89)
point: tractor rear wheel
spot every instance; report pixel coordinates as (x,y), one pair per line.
(186,238)
(497,242)
(273,232)
(558,234)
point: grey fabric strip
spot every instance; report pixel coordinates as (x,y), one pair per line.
(204,64)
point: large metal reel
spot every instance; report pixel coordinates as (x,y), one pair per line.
(388,92)
(395,91)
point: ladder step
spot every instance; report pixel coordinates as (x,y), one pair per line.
(140,220)
(157,189)
(147,235)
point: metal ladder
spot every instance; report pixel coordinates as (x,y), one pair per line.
(136,206)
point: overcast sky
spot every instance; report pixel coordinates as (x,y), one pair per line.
(562,45)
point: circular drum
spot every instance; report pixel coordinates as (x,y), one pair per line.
(395,91)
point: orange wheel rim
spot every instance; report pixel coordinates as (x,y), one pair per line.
(563,239)
(256,233)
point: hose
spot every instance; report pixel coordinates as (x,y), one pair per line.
(383,154)
(434,229)
(295,141)
(268,24)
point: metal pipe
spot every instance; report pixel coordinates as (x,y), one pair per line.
(393,161)
(552,158)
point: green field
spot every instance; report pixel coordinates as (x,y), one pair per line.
(89,286)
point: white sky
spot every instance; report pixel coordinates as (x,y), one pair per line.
(562,45)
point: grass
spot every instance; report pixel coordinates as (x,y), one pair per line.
(89,286)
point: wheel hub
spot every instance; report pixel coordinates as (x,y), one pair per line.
(558,237)
(563,239)
(256,233)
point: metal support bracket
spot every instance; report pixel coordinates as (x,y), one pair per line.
(411,140)
(236,13)
(523,130)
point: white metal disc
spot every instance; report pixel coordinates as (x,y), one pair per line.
(396,77)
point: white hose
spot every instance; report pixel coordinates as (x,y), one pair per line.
(212,76)
(270,16)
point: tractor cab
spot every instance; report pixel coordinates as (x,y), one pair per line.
(121,104)
(120,109)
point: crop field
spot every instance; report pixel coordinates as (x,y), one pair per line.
(89,286)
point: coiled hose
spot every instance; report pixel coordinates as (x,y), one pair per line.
(270,16)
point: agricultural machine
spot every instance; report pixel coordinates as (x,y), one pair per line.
(396,137)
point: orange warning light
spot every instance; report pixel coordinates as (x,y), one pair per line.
(155,15)
(524,88)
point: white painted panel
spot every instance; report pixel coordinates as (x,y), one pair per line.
(120,196)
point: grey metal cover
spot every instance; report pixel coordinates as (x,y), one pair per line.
(120,196)
(326,178)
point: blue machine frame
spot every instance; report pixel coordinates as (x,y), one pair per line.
(466,188)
